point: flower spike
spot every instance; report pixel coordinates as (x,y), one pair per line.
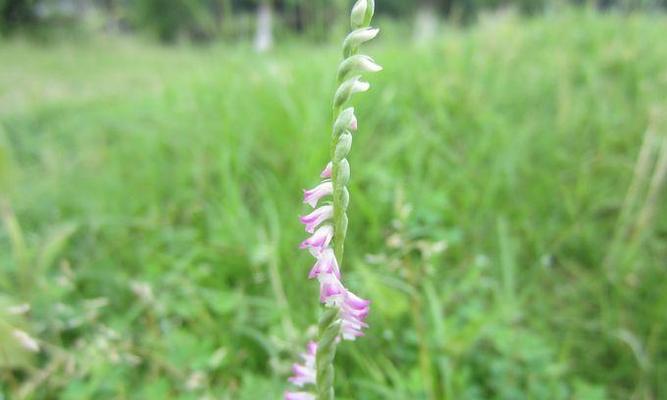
(345,313)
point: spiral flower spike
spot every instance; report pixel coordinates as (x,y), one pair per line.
(344,318)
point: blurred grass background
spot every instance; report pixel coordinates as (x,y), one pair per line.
(150,198)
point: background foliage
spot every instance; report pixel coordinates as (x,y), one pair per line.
(203,20)
(149,200)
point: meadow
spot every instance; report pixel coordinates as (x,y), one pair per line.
(512,245)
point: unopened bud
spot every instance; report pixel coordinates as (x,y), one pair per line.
(345,198)
(358,37)
(357,63)
(343,175)
(345,121)
(370,11)
(348,88)
(343,146)
(359,12)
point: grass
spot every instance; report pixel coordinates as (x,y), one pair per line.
(150,198)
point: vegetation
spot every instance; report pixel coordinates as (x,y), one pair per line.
(204,20)
(149,202)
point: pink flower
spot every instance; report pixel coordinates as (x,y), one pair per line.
(299,396)
(354,311)
(326,264)
(326,172)
(314,219)
(332,291)
(305,373)
(312,196)
(319,240)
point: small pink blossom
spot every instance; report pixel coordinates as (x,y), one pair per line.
(312,196)
(305,373)
(326,264)
(299,396)
(319,240)
(354,311)
(332,291)
(315,218)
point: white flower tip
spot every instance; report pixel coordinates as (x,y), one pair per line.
(370,65)
(371,33)
(360,86)
(354,124)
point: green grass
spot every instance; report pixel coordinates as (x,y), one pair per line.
(488,176)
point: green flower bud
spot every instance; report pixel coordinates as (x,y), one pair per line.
(348,88)
(346,120)
(343,175)
(345,198)
(343,146)
(370,11)
(342,226)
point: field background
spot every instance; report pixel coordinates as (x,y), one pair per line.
(150,198)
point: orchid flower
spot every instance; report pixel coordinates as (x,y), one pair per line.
(346,313)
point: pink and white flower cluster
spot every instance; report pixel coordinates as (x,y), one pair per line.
(304,374)
(353,309)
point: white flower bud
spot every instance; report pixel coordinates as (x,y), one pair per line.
(357,63)
(370,11)
(359,12)
(358,37)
